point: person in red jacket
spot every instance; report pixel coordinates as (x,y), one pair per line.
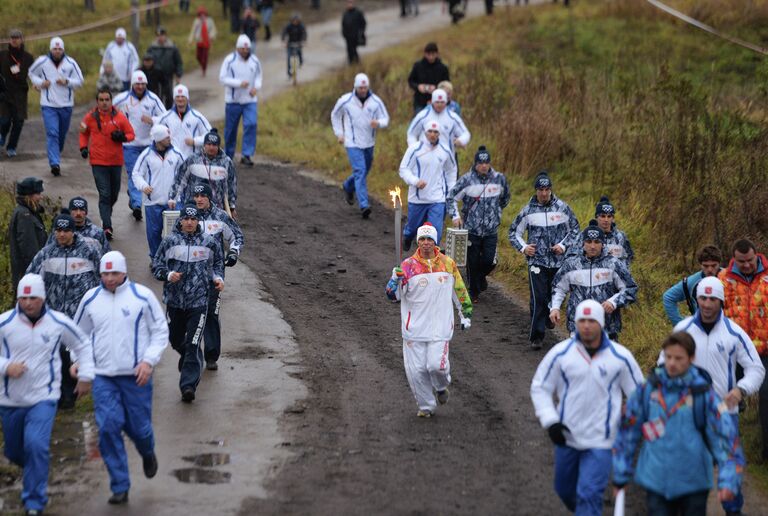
(107,129)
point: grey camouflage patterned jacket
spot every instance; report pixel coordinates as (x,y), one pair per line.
(218,172)
(547,225)
(68,272)
(92,234)
(603,278)
(483,198)
(220,227)
(616,244)
(200,261)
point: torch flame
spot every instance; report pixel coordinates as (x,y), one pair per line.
(395,194)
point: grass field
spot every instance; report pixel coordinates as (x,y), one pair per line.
(612,98)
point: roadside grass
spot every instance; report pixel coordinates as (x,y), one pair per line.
(612,99)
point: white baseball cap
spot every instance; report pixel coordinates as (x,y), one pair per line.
(590,309)
(361,80)
(31,285)
(711,287)
(439,96)
(181,91)
(113,261)
(427,231)
(120,33)
(243,41)
(56,42)
(138,77)
(159,132)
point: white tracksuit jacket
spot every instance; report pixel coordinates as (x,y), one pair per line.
(235,70)
(589,390)
(125,59)
(134,108)
(352,119)
(158,172)
(38,347)
(719,351)
(192,125)
(426,307)
(126,327)
(451,127)
(434,164)
(56,95)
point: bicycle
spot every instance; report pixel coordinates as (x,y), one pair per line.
(294,61)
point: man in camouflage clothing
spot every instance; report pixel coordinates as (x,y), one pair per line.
(484,193)
(69,267)
(84,228)
(593,275)
(191,265)
(552,227)
(616,241)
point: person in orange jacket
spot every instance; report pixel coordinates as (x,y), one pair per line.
(746,303)
(106,129)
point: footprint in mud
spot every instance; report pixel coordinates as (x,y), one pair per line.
(207,460)
(202,476)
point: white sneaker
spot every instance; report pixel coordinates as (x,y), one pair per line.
(424,413)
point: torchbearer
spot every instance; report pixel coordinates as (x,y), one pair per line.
(426,284)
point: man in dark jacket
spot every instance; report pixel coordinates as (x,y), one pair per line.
(353,30)
(14,66)
(426,75)
(168,61)
(26,231)
(154,76)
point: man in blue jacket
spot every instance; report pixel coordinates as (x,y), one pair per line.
(709,259)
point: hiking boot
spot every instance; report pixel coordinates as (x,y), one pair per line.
(188,395)
(349,196)
(536,344)
(424,413)
(56,170)
(366,212)
(442,396)
(246,160)
(149,463)
(212,366)
(118,498)
(136,212)
(11,153)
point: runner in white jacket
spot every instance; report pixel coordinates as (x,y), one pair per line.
(241,75)
(452,128)
(355,119)
(123,56)
(188,126)
(30,367)
(429,169)
(153,174)
(588,373)
(129,332)
(56,76)
(141,107)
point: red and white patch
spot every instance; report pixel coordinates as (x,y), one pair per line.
(27,290)
(587,311)
(708,290)
(108,266)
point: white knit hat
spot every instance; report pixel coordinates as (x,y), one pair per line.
(243,41)
(56,42)
(590,309)
(159,132)
(181,91)
(431,125)
(120,33)
(428,231)
(361,80)
(439,96)
(711,287)
(31,285)
(138,77)
(113,261)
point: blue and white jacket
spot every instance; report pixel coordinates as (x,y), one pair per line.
(127,327)
(125,59)
(589,390)
(451,127)
(192,124)
(200,261)
(134,108)
(234,70)
(157,171)
(218,172)
(68,272)
(718,352)
(547,225)
(56,95)
(675,295)
(352,119)
(91,234)
(616,244)
(603,278)
(37,345)
(484,197)
(434,164)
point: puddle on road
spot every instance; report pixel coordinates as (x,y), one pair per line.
(208,459)
(202,476)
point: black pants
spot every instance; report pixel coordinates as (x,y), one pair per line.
(480,255)
(166,91)
(186,329)
(352,56)
(540,286)
(234,20)
(694,504)
(212,333)
(108,184)
(763,409)
(402,7)
(488,6)
(13,124)
(67,382)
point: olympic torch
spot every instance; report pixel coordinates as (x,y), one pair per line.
(396,203)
